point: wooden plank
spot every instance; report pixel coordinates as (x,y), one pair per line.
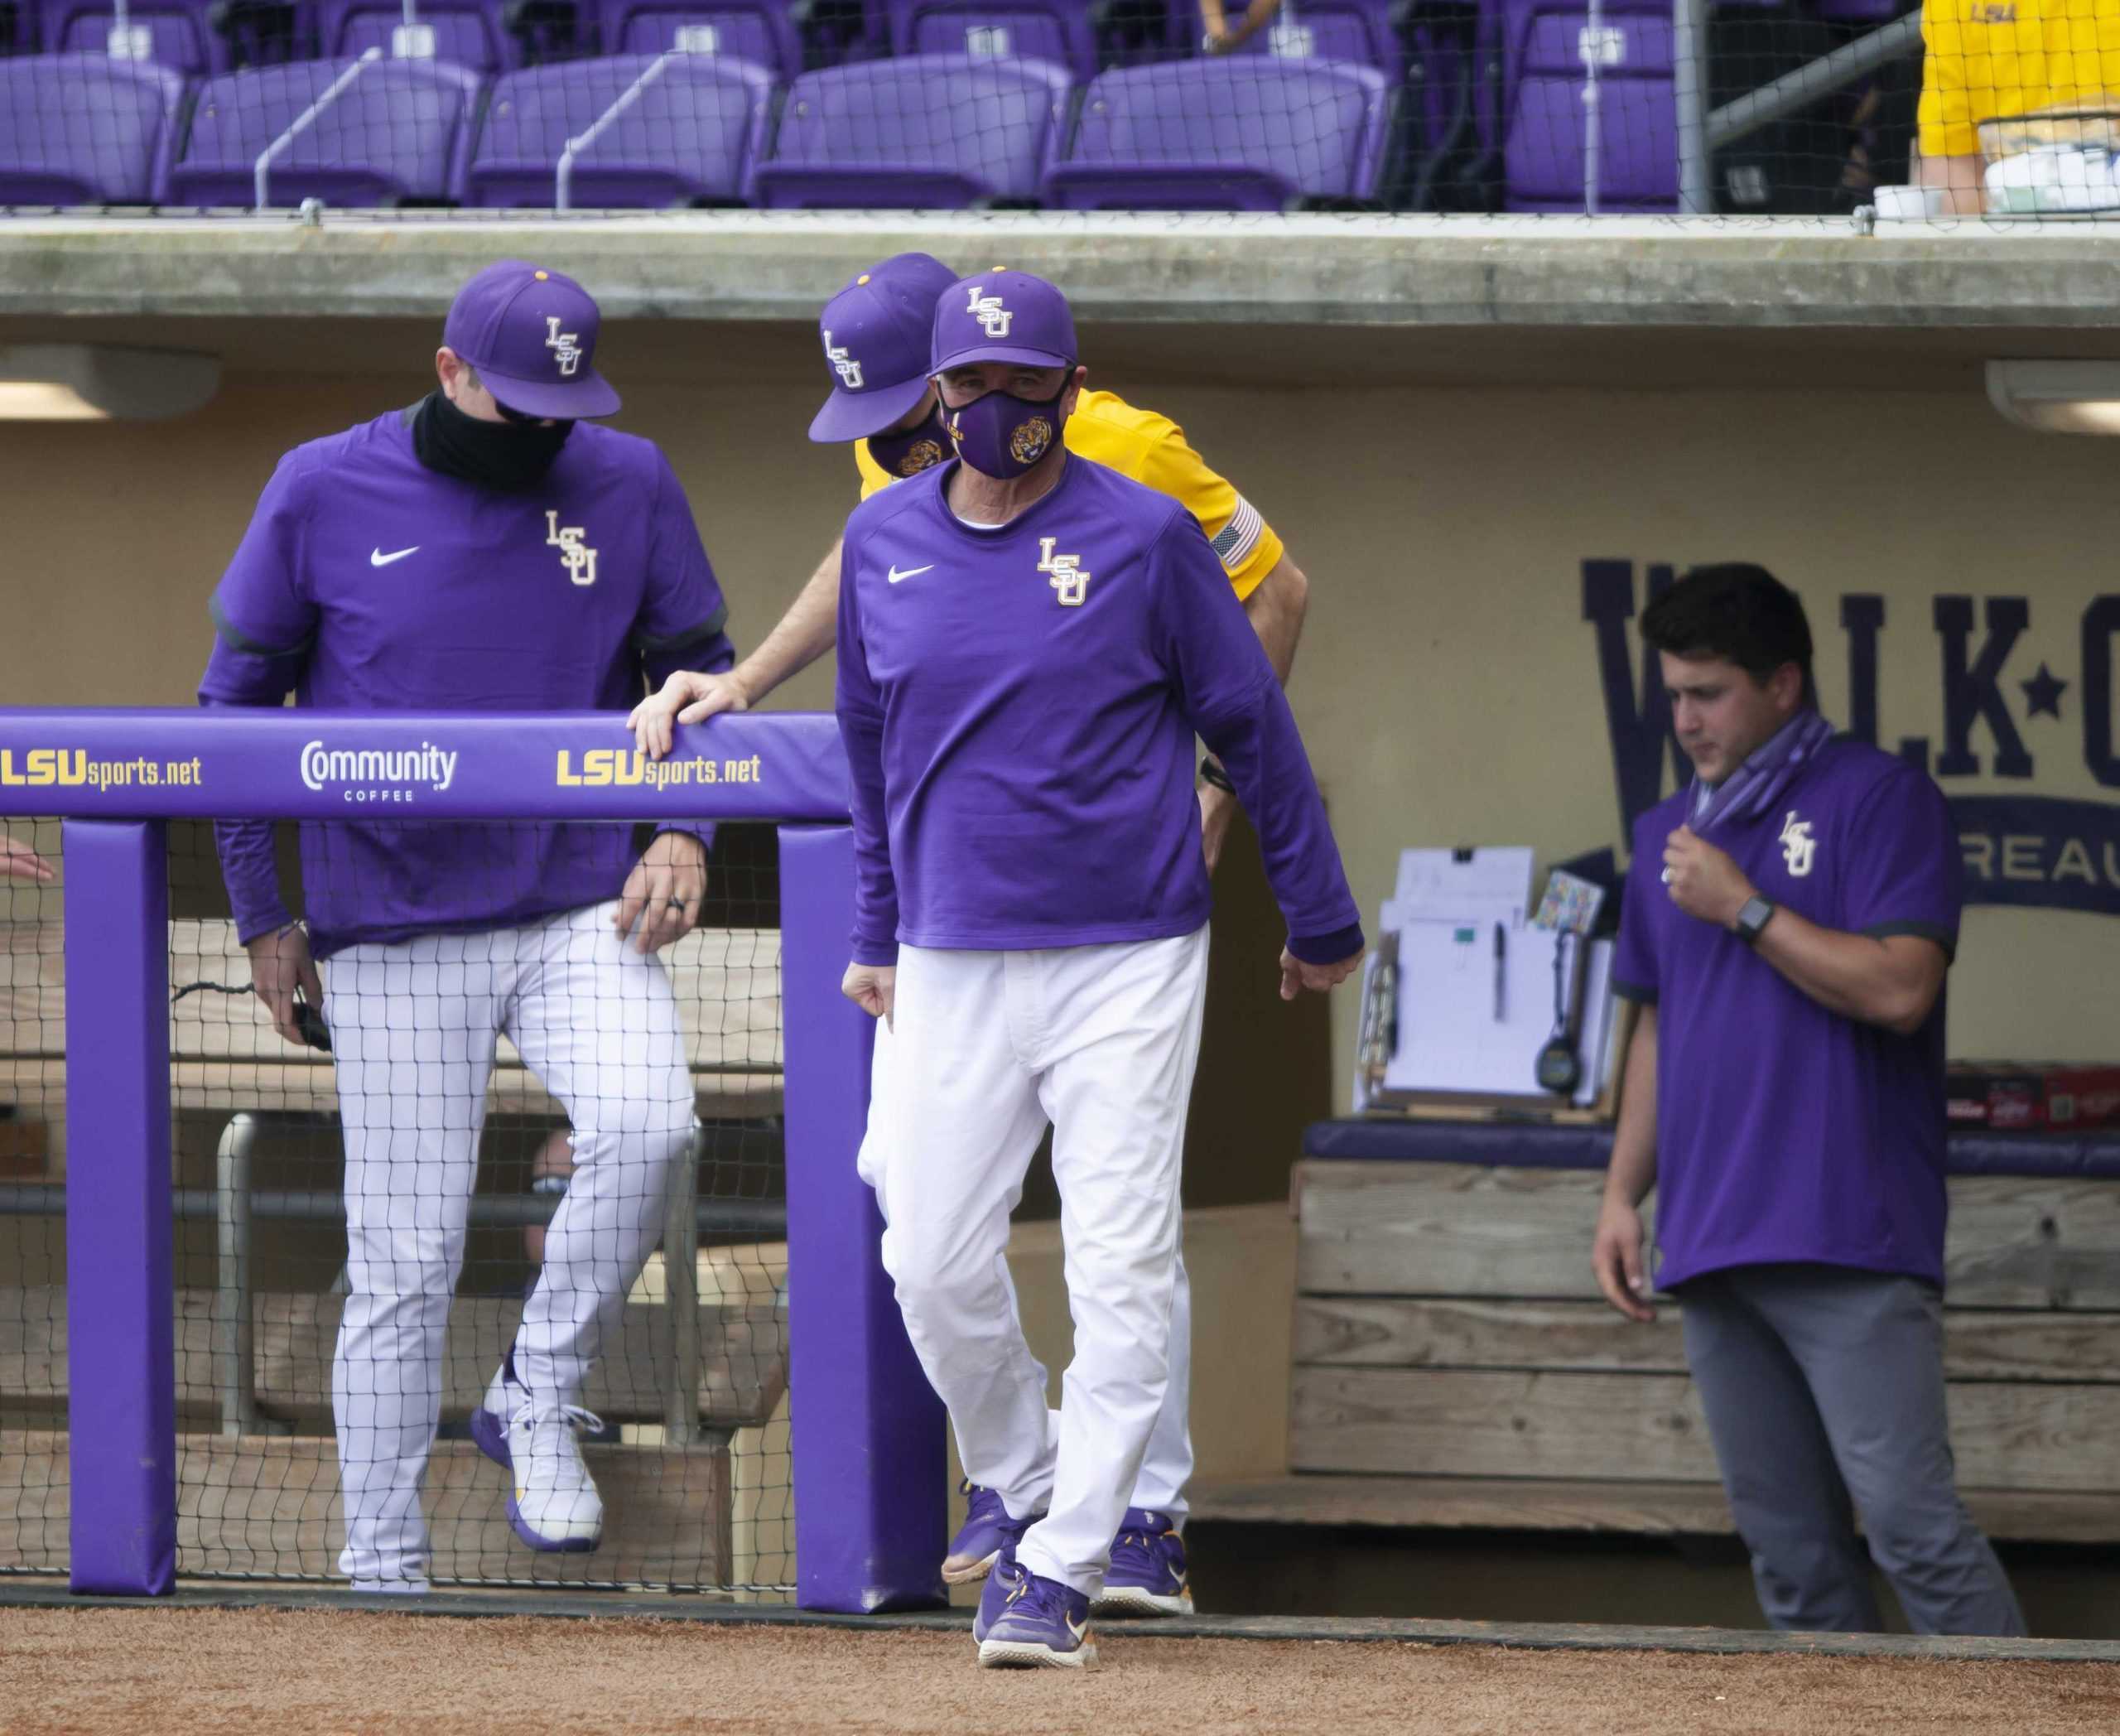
(1444,1229)
(1497,1503)
(260,1505)
(1633,1427)
(743,1339)
(1466,1229)
(1544,1504)
(2033,1242)
(1405,1332)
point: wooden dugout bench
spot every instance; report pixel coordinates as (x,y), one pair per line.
(1454,1364)
(700,1366)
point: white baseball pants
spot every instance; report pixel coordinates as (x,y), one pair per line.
(412,1031)
(986,1047)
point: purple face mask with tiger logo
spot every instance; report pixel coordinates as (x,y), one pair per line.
(1003,435)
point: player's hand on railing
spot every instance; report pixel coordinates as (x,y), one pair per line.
(1615,1257)
(872,987)
(19,862)
(1296,975)
(664,894)
(685,697)
(1217,808)
(280,964)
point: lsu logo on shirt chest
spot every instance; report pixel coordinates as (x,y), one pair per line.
(576,558)
(1799,846)
(1070,584)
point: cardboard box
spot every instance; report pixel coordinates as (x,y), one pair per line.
(2031,1096)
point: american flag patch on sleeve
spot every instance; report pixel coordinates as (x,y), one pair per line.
(1235,541)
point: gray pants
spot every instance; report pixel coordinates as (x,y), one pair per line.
(1824,1387)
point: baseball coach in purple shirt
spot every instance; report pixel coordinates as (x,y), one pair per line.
(486,549)
(1028,643)
(1785,933)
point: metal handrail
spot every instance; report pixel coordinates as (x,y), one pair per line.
(262,170)
(1799,89)
(563,178)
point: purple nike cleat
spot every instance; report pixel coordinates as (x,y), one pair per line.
(1026,1621)
(986,1534)
(1147,1573)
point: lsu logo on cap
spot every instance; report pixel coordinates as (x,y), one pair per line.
(994,318)
(849,370)
(562,345)
(1069,583)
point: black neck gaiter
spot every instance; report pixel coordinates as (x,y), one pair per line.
(495,455)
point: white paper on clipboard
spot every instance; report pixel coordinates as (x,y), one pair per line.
(1458,882)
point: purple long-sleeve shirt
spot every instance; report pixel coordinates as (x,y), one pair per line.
(1019,706)
(369,583)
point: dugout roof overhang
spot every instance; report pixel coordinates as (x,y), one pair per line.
(1525,301)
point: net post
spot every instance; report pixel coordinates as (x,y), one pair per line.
(870,1477)
(681,1293)
(121,1350)
(234,1368)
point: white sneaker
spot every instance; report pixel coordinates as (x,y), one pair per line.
(555,1506)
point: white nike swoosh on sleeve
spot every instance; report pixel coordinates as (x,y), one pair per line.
(377,558)
(895,576)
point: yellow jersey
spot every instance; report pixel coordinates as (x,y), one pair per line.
(1996,60)
(1151,450)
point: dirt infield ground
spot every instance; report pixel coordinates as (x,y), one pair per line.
(292,1673)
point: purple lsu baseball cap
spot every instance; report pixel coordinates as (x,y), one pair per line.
(531,335)
(875,335)
(1002,316)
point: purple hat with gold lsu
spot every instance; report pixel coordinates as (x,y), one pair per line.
(1002,316)
(875,337)
(531,335)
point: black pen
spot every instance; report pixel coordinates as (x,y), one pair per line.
(1500,967)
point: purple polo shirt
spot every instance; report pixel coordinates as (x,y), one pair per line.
(368,582)
(1785,1132)
(1019,706)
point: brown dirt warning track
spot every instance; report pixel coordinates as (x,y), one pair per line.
(289,1672)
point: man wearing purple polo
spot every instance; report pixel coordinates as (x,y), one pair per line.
(1787,926)
(1028,643)
(483,550)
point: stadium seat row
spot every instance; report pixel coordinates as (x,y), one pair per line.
(491,36)
(924,130)
(1499,85)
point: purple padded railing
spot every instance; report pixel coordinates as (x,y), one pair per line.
(870,1499)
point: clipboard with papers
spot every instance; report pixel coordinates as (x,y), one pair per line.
(1469,984)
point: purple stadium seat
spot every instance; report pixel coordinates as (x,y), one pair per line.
(1058,31)
(1359,32)
(85,129)
(398,133)
(1240,134)
(936,132)
(744,29)
(171,32)
(487,36)
(1543,148)
(692,135)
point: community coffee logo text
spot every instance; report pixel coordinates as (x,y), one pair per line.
(2000,718)
(363,775)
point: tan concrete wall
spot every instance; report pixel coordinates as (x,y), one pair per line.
(1448,684)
